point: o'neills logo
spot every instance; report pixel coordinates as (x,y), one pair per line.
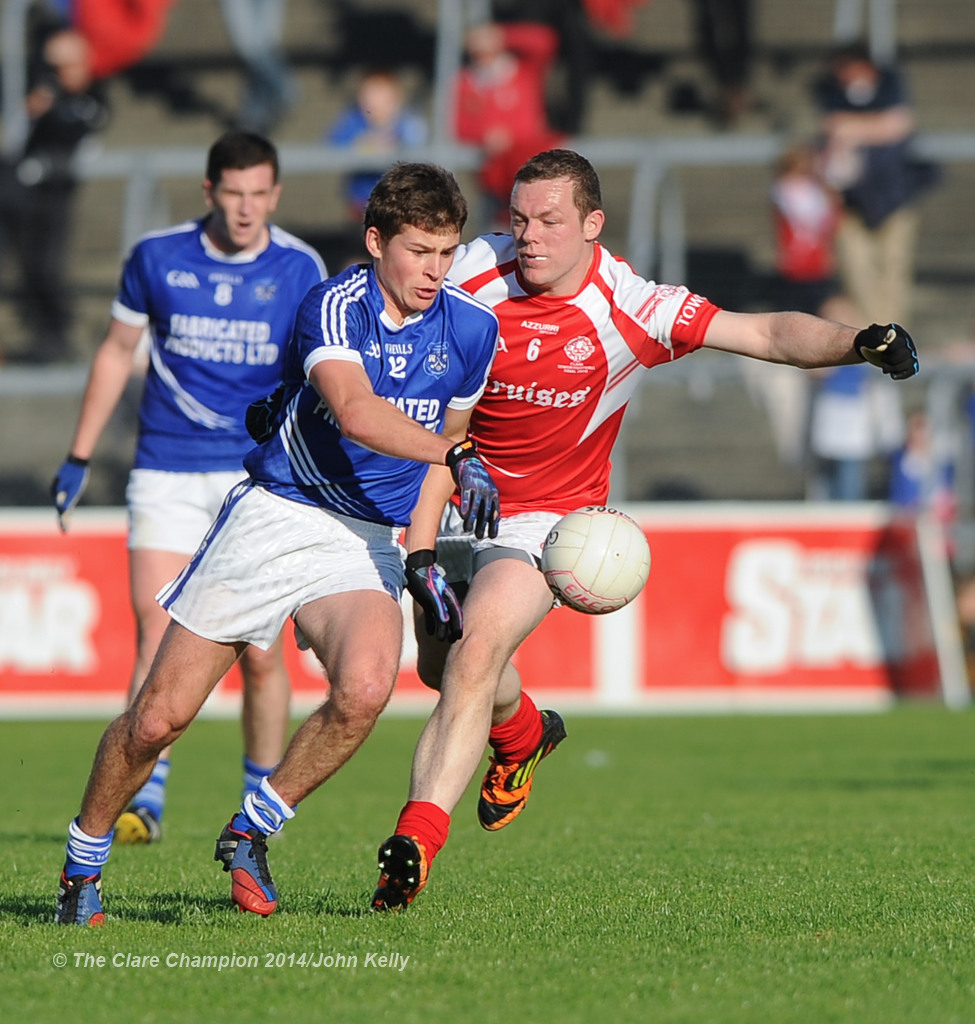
(531,325)
(579,349)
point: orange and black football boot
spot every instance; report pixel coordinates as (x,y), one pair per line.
(505,789)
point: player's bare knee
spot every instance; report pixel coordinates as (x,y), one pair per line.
(372,699)
(475,659)
(148,732)
(360,705)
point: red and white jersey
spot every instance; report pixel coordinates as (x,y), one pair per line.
(565,369)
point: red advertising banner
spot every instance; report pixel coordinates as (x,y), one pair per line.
(748,607)
(803,603)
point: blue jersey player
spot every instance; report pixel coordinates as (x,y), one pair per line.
(381,375)
(216,298)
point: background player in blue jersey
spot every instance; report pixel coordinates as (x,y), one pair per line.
(382,372)
(218,297)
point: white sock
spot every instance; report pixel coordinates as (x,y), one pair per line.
(86,852)
(265,810)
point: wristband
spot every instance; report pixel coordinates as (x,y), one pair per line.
(464,450)
(421,559)
(75,461)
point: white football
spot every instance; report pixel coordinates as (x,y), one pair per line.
(596,559)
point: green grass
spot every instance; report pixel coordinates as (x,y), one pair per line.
(670,870)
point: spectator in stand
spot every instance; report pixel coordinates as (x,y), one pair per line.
(855,419)
(379,121)
(867,126)
(922,474)
(65,106)
(805,212)
(501,102)
(256,28)
(120,32)
(575,22)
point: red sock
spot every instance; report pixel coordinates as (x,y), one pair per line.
(427,823)
(515,739)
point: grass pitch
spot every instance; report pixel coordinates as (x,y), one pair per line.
(698,870)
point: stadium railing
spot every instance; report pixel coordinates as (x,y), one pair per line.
(656,237)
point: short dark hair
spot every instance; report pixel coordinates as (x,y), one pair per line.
(565,163)
(415,195)
(239,151)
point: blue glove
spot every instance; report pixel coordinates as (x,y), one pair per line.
(431,591)
(480,504)
(68,486)
(261,416)
(888,347)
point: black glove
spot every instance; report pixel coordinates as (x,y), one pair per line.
(68,486)
(888,347)
(480,504)
(261,416)
(431,591)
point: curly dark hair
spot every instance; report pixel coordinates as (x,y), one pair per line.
(415,195)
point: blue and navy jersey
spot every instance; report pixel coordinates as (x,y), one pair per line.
(435,359)
(218,329)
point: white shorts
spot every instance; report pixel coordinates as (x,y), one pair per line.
(265,557)
(461,554)
(173,511)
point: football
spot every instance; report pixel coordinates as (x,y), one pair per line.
(596,559)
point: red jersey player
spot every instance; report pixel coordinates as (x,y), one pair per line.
(578,330)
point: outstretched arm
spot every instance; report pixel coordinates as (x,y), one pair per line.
(807,341)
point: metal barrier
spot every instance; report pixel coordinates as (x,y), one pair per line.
(946,385)
(13,85)
(655,226)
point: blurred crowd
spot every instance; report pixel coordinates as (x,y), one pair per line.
(844,211)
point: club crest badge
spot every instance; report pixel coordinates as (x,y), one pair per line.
(579,349)
(437,361)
